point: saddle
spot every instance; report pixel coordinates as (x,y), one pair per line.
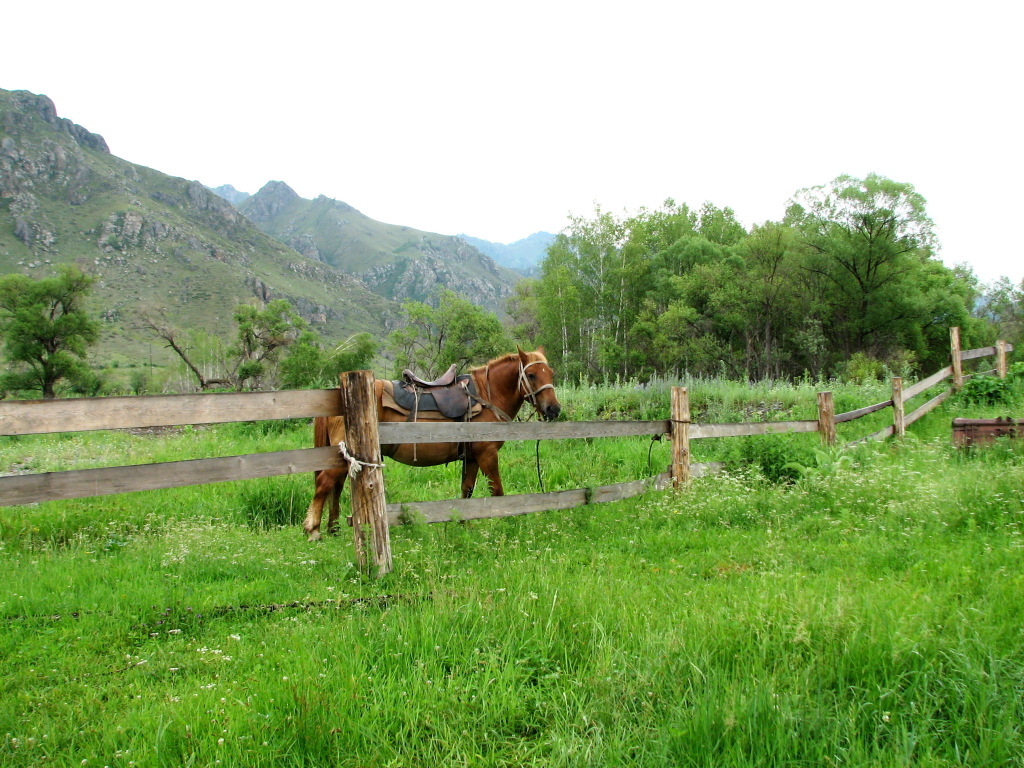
(445,381)
(448,395)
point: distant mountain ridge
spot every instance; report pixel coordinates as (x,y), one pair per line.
(152,240)
(230,194)
(524,256)
(397,262)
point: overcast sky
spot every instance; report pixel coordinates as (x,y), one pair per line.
(502,119)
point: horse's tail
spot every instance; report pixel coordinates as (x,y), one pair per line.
(327,430)
(321,432)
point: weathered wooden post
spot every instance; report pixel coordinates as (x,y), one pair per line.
(369,508)
(680,431)
(826,419)
(899,424)
(1001,358)
(954,353)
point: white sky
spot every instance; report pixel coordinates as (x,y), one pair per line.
(500,119)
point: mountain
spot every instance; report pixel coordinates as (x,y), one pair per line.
(230,194)
(152,240)
(524,256)
(396,262)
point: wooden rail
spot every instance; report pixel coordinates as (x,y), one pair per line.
(522,504)
(106,481)
(33,417)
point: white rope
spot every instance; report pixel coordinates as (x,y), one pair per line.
(355,466)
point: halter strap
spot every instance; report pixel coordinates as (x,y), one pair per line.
(530,394)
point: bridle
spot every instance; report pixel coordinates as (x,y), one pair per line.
(530,395)
(523,388)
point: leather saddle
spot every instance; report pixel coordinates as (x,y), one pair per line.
(446,380)
(449,395)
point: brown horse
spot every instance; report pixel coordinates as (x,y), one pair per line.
(502,386)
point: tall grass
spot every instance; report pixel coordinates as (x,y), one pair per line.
(864,614)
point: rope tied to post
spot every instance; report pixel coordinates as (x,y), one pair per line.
(355,466)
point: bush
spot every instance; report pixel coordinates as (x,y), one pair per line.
(778,457)
(861,368)
(986,390)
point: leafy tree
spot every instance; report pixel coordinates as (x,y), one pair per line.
(456,331)
(595,285)
(45,329)
(868,242)
(1002,305)
(583,298)
(770,296)
(524,313)
(310,364)
(262,334)
(719,225)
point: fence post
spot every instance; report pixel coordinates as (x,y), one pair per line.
(680,431)
(1001,358)
(369,509)
(954,352)
(827,419)
(899,425)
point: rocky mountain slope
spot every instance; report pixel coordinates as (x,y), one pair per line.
(396,262)
(152,240)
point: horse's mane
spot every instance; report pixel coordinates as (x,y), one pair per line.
(509,358)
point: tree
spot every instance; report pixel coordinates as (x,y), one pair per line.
(867,242)
(523,313)
(45,330)
(310,364)
(770,296)
(157,323)
(1002,304)
(262,334)
(595,284)
(456,331)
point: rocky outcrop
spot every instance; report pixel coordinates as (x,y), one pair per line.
(26,104)
(420,279)
(272,200)
(306,245)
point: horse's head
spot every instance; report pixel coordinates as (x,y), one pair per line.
(537,384)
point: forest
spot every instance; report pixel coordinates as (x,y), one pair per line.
(846,284)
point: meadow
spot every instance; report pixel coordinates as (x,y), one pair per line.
(856,607)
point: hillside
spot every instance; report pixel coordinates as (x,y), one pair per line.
(396,262)
(152,240)
(524,256)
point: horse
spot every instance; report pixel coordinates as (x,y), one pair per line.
(502,386)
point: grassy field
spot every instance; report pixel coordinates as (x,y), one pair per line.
(866,614)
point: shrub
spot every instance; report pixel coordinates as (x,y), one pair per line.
(861,368)
(986,390)
(778,457)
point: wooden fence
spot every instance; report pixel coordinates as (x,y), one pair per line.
(46,416)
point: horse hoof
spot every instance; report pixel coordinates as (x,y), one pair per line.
(314,536)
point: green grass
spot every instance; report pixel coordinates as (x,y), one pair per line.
(865,615)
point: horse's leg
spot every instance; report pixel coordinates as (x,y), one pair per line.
(328,482)
(469,470)
(335,513)
(487,458)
